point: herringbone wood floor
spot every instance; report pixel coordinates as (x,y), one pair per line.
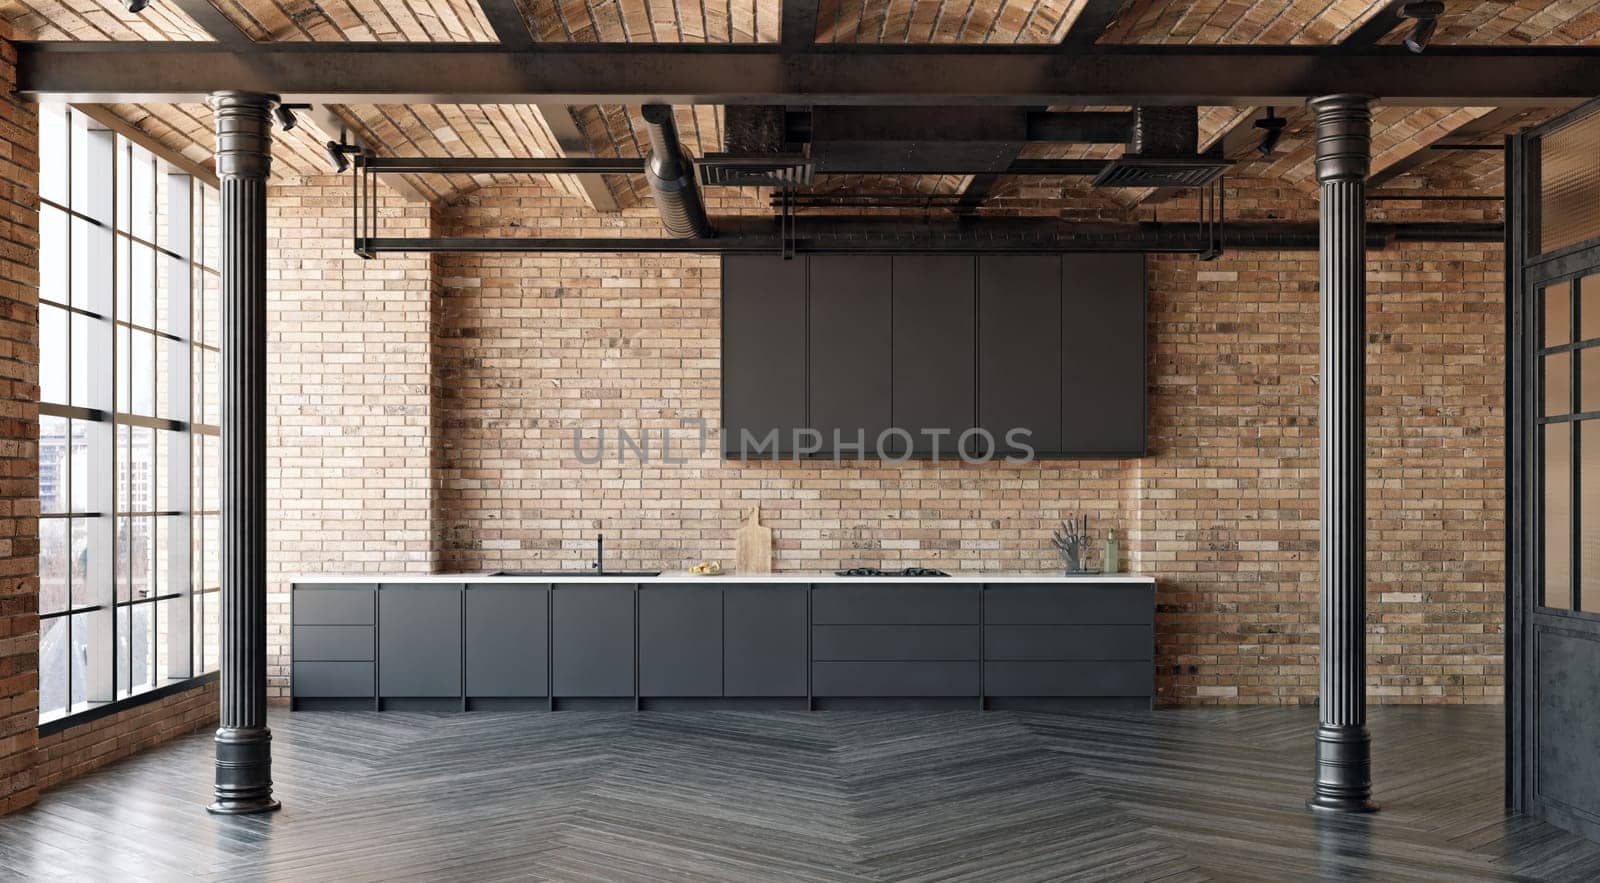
(1188,794)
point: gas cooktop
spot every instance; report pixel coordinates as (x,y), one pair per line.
(873,571)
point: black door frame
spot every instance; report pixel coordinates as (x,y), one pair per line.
(1527,272)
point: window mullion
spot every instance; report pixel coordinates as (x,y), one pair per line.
(99,265)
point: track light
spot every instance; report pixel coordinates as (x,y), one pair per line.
(136,6)
(1272,125)
(1427,17)
(336,155)
(286,117)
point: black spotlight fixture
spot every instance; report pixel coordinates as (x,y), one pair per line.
(136,6)
(336,152)
(1426,15)
(1272,128)
(286,118)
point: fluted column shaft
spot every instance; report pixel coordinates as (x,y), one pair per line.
(244,743)
(1343,746)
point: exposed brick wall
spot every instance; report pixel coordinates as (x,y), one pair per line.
(86,747)
(523,349)
(350,488)
(19,437)
(1227,501)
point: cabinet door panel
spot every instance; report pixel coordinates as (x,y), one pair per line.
(1102,353)
(851,340)
(935,303)
(592,640)
(507,640)
(1019,349)
(764,641)
(680,641)
(763,348)
(419,641)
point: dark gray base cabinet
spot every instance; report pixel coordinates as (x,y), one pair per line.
(333,644)
(764,641)
(680,641)
(507,641)
(592,641)
(419,642)
(507,646)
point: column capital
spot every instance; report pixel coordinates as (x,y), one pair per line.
(1344,136)
(244,133)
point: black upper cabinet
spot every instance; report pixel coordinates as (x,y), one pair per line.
(1019,349)
(763,348)
(1102,354)
(935,297)
(1052,344)
(851,350)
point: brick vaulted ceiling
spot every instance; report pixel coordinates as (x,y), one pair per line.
(522,130)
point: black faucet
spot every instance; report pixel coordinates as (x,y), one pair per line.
(599,554)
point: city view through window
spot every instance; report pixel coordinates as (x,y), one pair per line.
(128,443)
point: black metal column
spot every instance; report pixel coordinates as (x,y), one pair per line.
(1344,763)
(244,743)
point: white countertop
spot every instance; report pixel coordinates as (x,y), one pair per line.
(680,576)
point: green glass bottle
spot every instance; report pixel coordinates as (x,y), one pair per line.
(1109,562)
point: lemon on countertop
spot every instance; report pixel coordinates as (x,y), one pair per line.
(706,568)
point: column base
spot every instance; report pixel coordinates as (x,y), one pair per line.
(244,771)
(1344,770)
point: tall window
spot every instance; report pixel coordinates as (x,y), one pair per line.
(127,418)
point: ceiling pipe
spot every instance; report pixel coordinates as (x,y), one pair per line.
(856,235)
(670,175)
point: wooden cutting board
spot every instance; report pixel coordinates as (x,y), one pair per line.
(754,544)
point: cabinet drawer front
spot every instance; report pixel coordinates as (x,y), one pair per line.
(1069,604)
(903,604)
(1085,678)
(857,643)
(333,680)
(1068,642)
(340,606)
(333,643)
(894,678)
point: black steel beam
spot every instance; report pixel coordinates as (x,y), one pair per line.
(1378,26)
(635,165)
(1093,19)
(1027,75)
(799,25)
(594,165)
(213,22)
(1082,127)
(853,234)
(505,17)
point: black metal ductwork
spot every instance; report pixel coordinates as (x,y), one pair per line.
(1162,152)
(670,175)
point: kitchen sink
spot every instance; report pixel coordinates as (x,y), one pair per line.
(572,574)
